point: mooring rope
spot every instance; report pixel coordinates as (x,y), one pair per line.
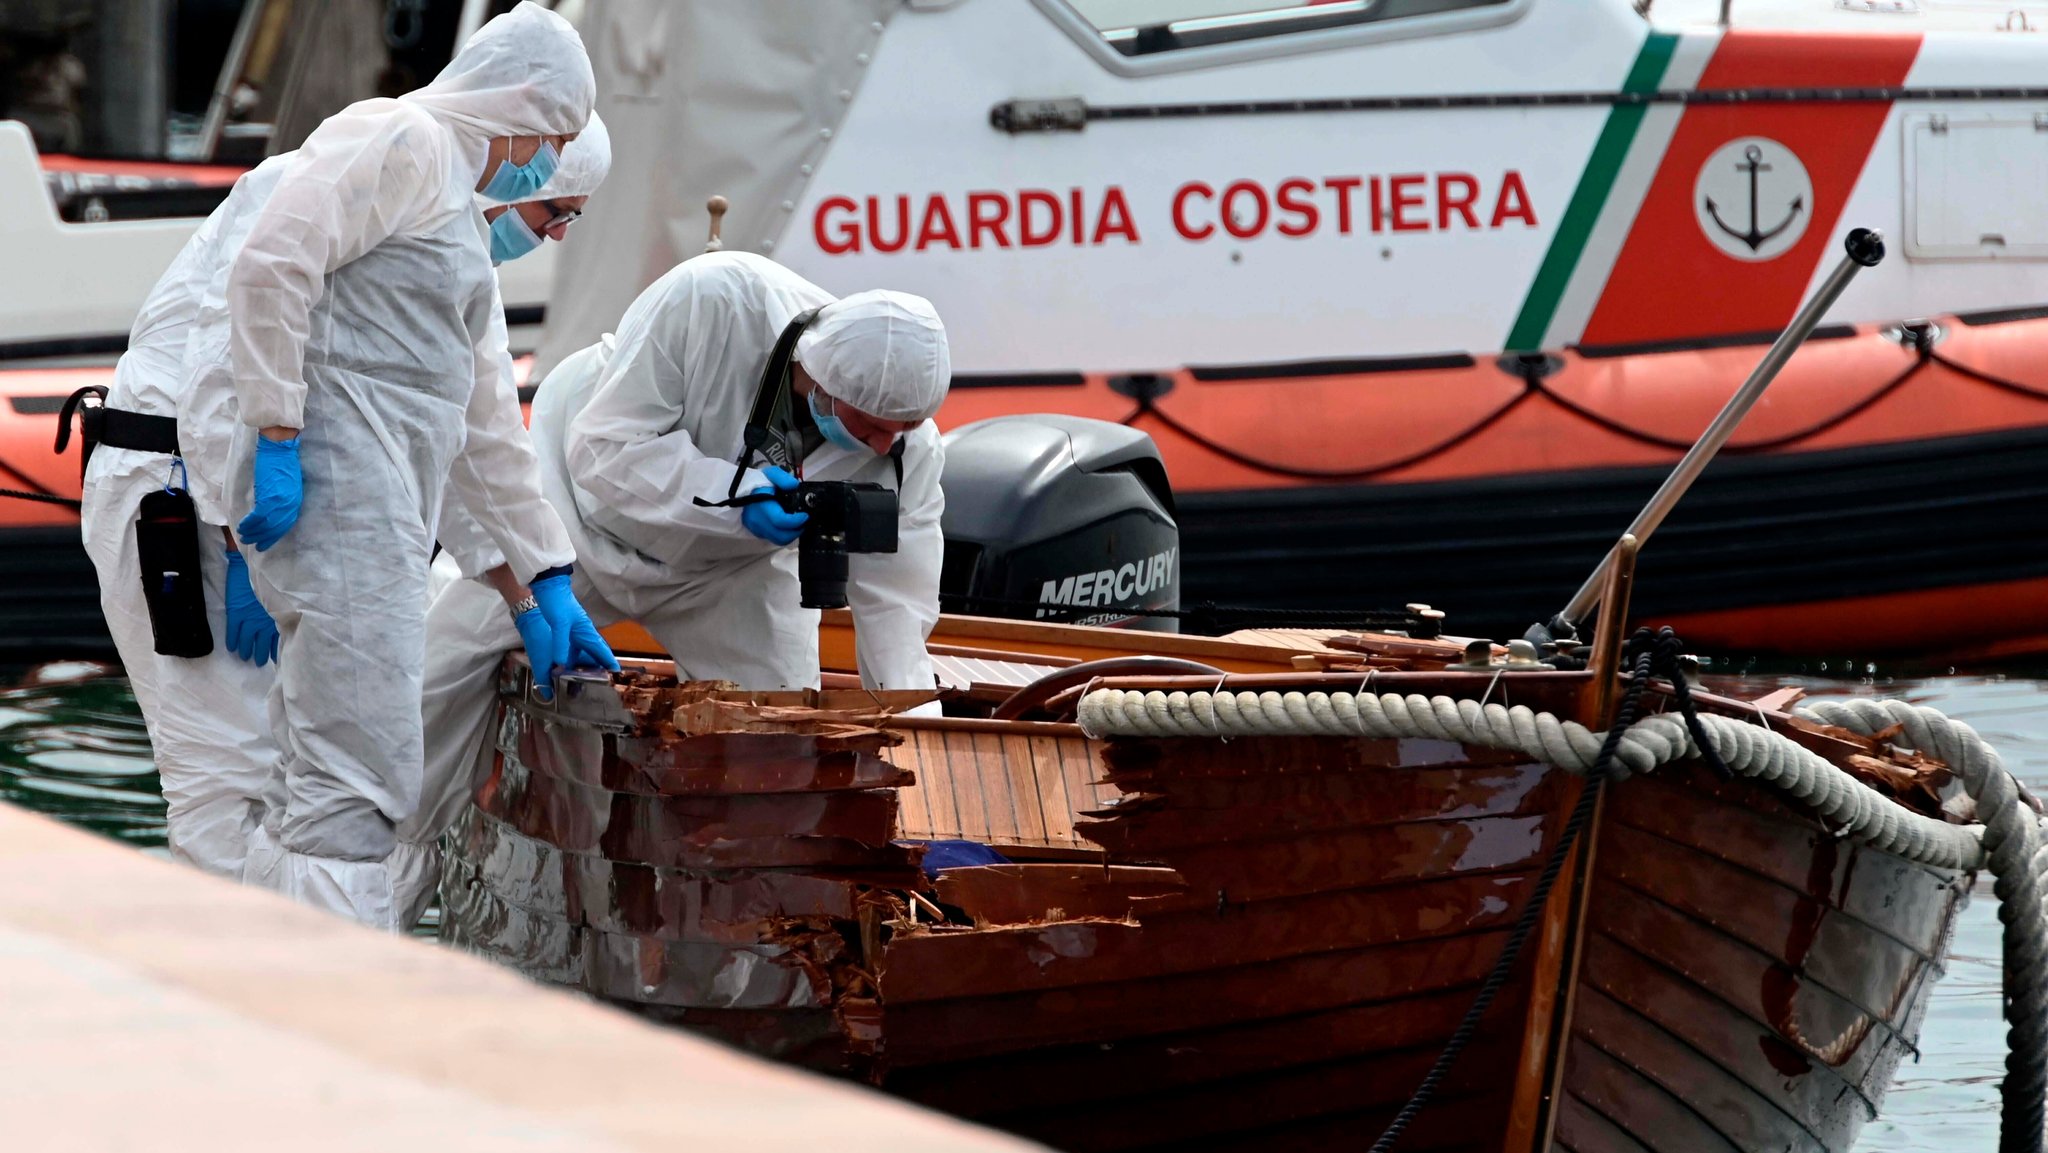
(2009,841)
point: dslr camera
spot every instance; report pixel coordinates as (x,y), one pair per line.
(845,518)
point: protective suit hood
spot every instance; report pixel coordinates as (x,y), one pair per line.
(882,352)
(522,74)
(585,163)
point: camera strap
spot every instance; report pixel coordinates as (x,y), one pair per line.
(768,422)
(770,411)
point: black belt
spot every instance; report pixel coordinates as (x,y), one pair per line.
(113,426)
(139,431)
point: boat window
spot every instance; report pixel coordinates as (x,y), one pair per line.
(1138,28)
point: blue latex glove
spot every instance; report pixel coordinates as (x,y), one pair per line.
(279,489)
(770,521)
(252,635)
(573,639)
(540,647)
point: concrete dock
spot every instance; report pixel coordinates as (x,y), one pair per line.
(144,1006)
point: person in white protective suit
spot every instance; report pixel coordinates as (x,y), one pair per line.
(207,716)
(354,336)
(633,429)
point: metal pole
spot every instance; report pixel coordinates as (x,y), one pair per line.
(230,75)
(130,74)
(1865,248)
(472,18)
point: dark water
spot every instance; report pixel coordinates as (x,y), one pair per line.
(72,745)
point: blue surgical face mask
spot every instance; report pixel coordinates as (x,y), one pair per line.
(515,182)
(832,427)
(511,237)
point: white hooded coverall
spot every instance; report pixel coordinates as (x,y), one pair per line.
(360,310)
(630,429)
(207,726)
(208,717)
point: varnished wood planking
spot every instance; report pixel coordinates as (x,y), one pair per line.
(1637,1104)
(1389,855)
(1721,1101)
(1584,1129)
(920,1032)
(1889,894)
(939,780)
(916,819)
(1867,967)
(1814,1020)
(1004,789)
(1026,792)
(1056,802)
(1203,812)
(1082,772)
(970,786)
(1738,1074)
(1191,938)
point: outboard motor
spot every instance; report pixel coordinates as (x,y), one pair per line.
(1060,519)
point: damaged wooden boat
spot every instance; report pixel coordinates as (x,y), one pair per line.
(1192,943)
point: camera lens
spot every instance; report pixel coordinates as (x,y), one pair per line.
(821,568)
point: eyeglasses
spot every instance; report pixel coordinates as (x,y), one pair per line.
(561,220)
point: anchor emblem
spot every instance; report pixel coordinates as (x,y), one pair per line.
(1752,157)
(1770,175)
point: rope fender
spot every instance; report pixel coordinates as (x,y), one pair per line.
(2010,841)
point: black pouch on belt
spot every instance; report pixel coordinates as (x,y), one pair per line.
(167,541)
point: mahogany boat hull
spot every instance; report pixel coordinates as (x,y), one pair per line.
(1206,945)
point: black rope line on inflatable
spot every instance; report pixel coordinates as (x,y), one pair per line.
(1677,445)
(42,498)
(1533,386)
(35,493)
(1146,407)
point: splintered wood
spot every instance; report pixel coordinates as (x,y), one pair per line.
(696,707)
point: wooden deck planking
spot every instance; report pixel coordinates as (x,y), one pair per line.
(1079,767)
(1003,789)
(970,814)
(1026,793)
(1057,802)
(990,806)
(916,820)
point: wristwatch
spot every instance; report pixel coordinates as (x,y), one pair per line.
(525,606)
